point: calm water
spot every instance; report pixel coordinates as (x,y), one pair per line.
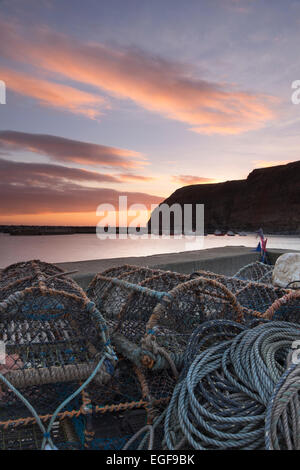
(63,248)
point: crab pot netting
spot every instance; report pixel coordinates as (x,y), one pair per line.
(188,305)
(20,276)
(131,399)
(127,308)
(131,388)
(122,391)
(232,283)
(286,308)
(172,305)
(113,432)
(258,272)
(135,313)
(30,437)
(255,296)
(111,297)
(28,268)
(197,301)
(54,338)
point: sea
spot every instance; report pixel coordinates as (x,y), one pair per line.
(82,247)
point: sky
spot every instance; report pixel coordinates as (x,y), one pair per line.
(109,98)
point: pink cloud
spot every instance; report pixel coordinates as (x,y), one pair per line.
(16,199)
(132,177)
(54,95)
(69,150)
(36,188)
(189,179)
(154,83)
(41,174)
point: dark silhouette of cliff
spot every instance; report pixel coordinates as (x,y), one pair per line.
(268,198)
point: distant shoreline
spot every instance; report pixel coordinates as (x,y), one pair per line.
(38,230)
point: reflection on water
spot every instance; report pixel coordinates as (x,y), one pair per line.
(62,248)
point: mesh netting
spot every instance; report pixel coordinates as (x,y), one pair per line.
(158,322)
(189,305)
(112,432)
(253,295)
(27,268)
(147,310)
(257,271)
(20,276)
(30,437)
(130,388)
(285,308)
(54,339)
(132,398)
(111,297)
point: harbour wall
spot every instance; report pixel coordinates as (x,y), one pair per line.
(224,260)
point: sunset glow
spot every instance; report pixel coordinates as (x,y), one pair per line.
(126,98)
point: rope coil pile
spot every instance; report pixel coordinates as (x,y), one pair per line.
(227,397)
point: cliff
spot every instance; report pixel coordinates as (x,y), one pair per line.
(268,198)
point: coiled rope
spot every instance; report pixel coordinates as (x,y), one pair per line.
(282,429)
(221,401)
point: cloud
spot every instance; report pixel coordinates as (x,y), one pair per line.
(69,150)
(41,174)
(189,179)
(156,84)
(54,95)
(132,177)
(15,200)
(34,188)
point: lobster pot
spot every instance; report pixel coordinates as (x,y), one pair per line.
(30,437)
(54,339)
(231,283)
(257,297)
(187,306)
(192,303)
(20,276)
(131,388)
(133,398)
(112,432)
(258,272)
(127,301)
(110,296)
(254,296)
(115,433)
(140,303)
(27,268)
(285,308)
(123,392)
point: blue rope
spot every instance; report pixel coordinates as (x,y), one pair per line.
(220,400)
